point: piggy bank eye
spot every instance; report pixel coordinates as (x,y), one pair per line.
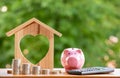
(74,53)
(68,53)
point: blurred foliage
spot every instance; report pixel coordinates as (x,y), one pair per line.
(92,25)
(34,48)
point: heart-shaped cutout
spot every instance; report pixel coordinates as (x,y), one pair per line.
(34,48)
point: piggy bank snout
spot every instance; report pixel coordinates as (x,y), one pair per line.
(72,61)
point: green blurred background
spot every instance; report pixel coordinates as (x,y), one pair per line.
(92,25)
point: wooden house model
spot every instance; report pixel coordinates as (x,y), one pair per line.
(35,27)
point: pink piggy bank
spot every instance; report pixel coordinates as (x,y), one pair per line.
(72,58)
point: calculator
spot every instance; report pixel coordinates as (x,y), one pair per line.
(90,70)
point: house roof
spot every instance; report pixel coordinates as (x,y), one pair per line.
(13,31)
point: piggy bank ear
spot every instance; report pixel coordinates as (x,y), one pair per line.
(65,52)
(79,51)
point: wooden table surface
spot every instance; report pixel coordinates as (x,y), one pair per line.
(115,74)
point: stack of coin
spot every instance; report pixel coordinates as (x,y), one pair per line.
(26,69)
(45,71)
(9,71)
(35,70)
(16,66)
(55,72)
